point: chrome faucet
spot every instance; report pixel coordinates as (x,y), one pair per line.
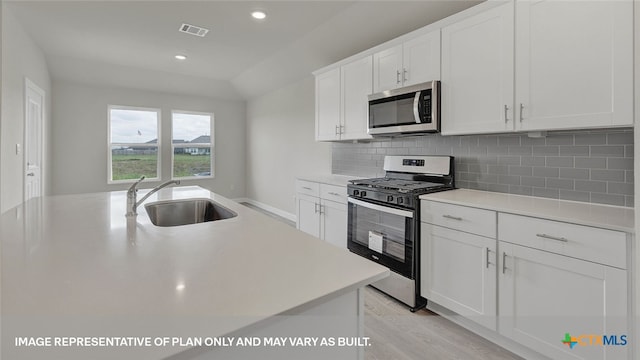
(132,204)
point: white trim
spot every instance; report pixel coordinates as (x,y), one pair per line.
(30,85)
(269,208)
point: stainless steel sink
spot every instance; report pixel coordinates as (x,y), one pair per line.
(187,211)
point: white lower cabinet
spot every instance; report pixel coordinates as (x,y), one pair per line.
(459,272)
(533,280)
(321,211)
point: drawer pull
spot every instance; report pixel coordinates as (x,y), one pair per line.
(334,194)
(307,188)
(504,262)
(545,236)
(452,217)
(487,258)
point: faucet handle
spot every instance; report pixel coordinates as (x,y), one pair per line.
(135,184)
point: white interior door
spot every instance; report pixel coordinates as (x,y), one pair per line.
(33,140)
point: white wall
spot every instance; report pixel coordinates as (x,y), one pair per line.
(21,58)
(281,145)
(80,136)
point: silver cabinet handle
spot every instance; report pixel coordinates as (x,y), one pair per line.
(506,118)
(307,188)
(316,208)
(404,75)
(334,194)
(521,111)
(452,217)
(321,209)
(556,238)
(341,129)
(487,257)
(504,262)
(31,174)
(397,76)
(337,129)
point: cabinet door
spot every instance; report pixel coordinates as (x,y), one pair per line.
(334,223)
(574,64)
(328,105)
(477,73)
(356,87)
(387,69)
(544,296)
(308,212)
(421,59)
(458,271)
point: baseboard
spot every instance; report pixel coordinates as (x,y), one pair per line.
(269,208)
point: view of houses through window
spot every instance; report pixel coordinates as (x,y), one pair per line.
(133,141)
(192,145)
(134,144)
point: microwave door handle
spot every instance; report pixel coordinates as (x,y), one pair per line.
(384,209)
(416,107)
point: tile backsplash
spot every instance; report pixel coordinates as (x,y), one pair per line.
(591,166)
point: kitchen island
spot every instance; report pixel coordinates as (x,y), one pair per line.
(77,271)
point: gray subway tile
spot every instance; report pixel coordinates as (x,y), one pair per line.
(620,188)
(607,175)
(559,140)
(590,139)
(546,172)
(533,181)
(574,150)
(575,195)
(608,199)
(591,186)
(628,151)
(498,169)
(560,184)
(560,161)
(629,201)
(590,163)
(509,179)
(488,140)
(607,150)
(381,151)
(546,193)
(625,138)
(498,188)
(508,160)
(520,150)
(568,173)
(497,150)
(546,150)
(488,178)
(525,140)
(520,190)
(469,140)
(532,161)
(521,170)
(620,163)
(509,140)
(629,176)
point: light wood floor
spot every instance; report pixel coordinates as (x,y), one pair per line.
(397,334)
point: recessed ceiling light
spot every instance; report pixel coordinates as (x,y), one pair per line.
(181,57)
(259,14)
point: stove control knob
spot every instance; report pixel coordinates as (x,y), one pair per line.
(363,193)
(400,200)
(389,198)
(356,192)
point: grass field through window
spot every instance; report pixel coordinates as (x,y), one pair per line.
(132,166)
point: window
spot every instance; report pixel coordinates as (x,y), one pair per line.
(133,143)
(192,144)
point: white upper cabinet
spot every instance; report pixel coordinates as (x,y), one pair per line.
(574,64)
(328,105)
(356,87)
(477,73)
(413,62)
(342,106)
(571,67)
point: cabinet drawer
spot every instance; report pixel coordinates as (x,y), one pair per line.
(463,218)
(333,193)
(583,242)
(307,187)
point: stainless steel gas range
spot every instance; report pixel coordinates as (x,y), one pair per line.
(384,219)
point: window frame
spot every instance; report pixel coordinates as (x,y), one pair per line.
(110,144)
(211,145)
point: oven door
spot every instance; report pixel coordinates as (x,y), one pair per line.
(383,234)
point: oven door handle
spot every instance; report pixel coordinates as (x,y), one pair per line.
(385,209)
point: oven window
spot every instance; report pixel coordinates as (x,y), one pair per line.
(382,232)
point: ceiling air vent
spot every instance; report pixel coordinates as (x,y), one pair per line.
(193,30)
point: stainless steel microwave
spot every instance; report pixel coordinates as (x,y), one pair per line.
(412,109)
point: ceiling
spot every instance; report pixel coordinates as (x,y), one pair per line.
(133,43)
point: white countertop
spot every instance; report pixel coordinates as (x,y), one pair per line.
(603,216)
(330,179)
(74,265)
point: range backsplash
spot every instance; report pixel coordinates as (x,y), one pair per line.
(590,166)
